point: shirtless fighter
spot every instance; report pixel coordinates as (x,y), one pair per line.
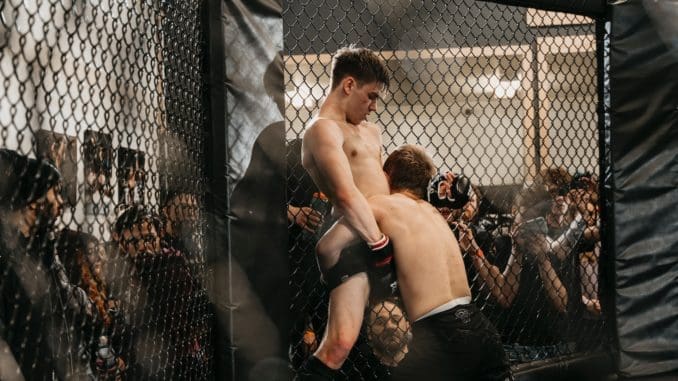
(342,153)
(452,340)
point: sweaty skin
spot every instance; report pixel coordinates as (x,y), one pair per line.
(430,268)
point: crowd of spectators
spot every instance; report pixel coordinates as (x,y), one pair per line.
(75,307)
(534,269)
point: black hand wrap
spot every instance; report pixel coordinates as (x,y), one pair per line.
(383,282)
(460,192)
(382,252)
(382,275)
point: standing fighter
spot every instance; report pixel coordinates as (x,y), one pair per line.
(342,154)
(452,340)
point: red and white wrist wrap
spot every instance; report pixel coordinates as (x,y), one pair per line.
(380,244)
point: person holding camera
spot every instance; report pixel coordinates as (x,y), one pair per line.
(35,292)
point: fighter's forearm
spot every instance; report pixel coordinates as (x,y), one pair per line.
(358,213)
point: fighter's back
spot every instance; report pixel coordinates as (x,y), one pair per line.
(429,265)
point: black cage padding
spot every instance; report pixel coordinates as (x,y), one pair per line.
(644,94)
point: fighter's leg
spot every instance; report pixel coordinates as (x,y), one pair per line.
(329,247)
(348,296)
(345,315)
(350,289)
(346,309)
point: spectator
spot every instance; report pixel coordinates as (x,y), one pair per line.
(555,249)
(174,346)
(35,294)
(388,332)
(518,288)
(584,194)
(463,221)
(83,257)
(180,217)
(541,284)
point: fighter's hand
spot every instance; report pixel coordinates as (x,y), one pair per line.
(382,274)
(592,305)
(382,252)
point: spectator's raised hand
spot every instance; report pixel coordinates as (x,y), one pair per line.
(467,242)
(592,305)
(531,239)
(305,217)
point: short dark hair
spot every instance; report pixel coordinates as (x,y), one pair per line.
(409,168)
(361,63)
(24,179)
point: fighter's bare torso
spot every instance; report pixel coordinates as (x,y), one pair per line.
(361,146)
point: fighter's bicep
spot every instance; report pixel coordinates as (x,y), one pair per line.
(330,160)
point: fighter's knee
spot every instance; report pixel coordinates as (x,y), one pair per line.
(323,249)
(336,350)
(327,255)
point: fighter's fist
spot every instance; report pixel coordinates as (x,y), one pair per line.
(449,190)
(382,252)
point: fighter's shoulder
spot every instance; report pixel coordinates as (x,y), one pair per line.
(384,201)
(380,199)
(319,121)
(318,127)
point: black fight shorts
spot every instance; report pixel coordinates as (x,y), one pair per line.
(352,261)
(457,344)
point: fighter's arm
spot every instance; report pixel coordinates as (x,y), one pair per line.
(324,141)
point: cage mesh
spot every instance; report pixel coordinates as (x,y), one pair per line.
(102,119)
(506,96)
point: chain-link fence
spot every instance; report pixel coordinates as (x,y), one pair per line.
(508,97)
(102,116)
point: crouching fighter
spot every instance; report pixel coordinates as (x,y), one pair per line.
(452,339)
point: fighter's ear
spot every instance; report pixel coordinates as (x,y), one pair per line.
(348,84)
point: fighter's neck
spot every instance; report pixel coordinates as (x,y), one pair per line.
(406,193)
(332,111)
